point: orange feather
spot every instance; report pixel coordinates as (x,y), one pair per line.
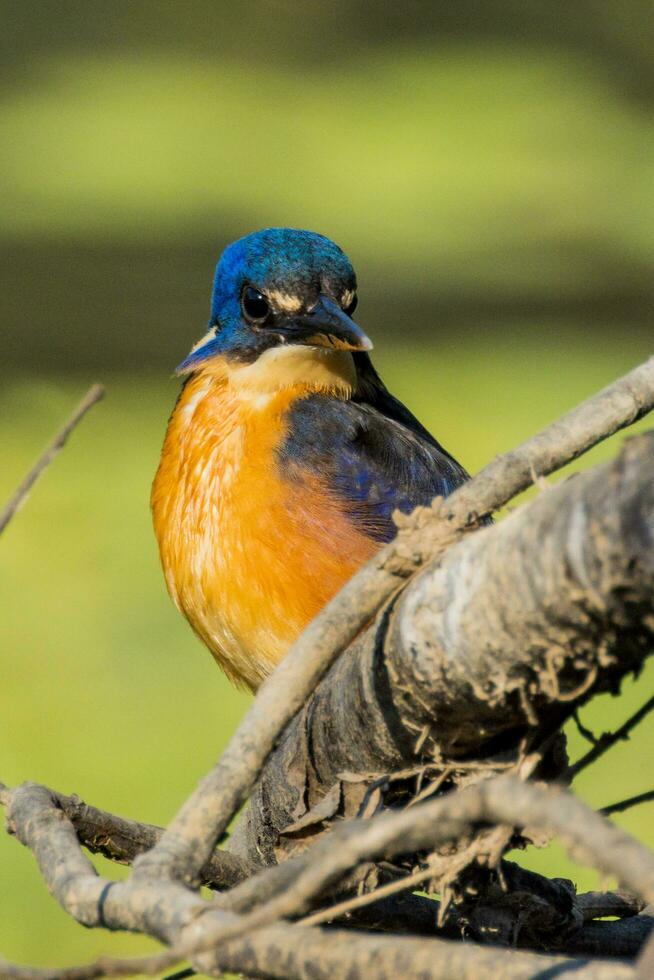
(249,557)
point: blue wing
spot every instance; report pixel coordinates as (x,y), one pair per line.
(370,452)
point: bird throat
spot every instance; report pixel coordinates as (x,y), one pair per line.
(292,366)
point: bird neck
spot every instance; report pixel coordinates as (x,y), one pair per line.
(310,369)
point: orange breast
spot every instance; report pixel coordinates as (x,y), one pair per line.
(248,556)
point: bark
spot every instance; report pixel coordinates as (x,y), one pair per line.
(258,943)
(424,535)
(122,840)
(321,955)
(467,671)
(516,626)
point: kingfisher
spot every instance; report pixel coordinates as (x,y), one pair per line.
(285,455)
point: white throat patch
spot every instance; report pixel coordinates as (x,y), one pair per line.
(318,368)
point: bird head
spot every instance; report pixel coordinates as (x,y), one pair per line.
(279,288)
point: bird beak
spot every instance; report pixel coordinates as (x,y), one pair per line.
(205,348)
(326,325)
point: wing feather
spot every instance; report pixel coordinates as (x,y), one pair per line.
(371,454)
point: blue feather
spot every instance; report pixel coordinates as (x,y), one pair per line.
(374,458)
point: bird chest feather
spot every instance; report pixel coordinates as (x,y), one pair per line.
(250,554)
(286,456)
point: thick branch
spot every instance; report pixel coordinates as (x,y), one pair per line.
(279,952)
(503,800)
(624,938)
(518,624)
(204,817)
(169,911)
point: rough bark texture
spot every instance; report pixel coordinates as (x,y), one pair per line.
(326,956)
(484,644)
(518,624)
(122,840)
(423,535)
(217,939)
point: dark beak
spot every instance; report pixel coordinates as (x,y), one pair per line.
(326,325)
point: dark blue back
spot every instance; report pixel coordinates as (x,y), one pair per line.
(371,452)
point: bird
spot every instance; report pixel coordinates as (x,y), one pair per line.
(285,455)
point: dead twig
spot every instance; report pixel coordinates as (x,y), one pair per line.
(286,951)
(104,966)
(122,840)
(93,395)
(502,800)
(628,803)
(583,730)
(369,898)
(608,740)
(172,913)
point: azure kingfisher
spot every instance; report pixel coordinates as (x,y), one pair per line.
(285,455)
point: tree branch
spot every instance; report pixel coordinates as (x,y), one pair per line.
(172,913)
(624,938)
(93,395)
(517,625)
(628,803)
(122,840)
(598,905)
(472,668)
(609,739)
(190,839)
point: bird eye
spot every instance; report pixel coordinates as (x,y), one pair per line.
(254,304)
(352,305)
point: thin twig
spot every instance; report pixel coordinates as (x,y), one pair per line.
(199,824)
(628,803)
(582,729)
(93,395)
(122,840)
(193,926)
(368,898)
(502,800)
(607,740)
(104,966)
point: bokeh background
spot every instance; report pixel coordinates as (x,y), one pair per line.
(490,170)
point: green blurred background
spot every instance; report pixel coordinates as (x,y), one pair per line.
(488,167)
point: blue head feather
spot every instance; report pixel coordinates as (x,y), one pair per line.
(284,261)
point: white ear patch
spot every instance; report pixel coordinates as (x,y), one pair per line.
(285,302)
(347,298)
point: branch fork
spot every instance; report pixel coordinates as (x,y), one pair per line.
(452,655)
